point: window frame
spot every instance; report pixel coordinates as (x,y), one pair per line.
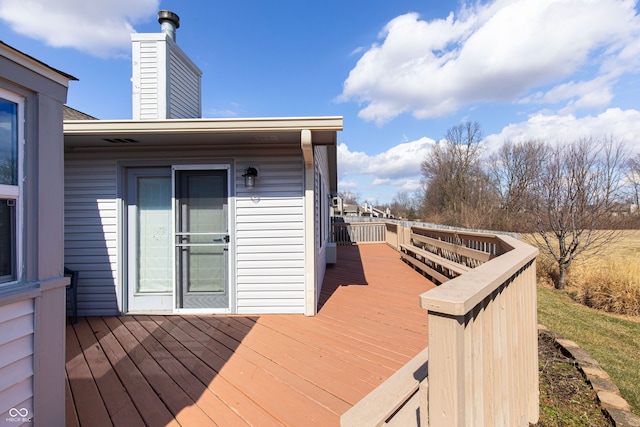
(15,192)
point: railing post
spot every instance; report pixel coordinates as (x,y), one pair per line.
(483,359)
(447,373)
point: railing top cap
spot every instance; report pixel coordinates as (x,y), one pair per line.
(460,295)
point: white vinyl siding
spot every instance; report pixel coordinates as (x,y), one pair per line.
(184,87)
(270,237)
(148,80)
(16,356)
(91,233)
(166,83)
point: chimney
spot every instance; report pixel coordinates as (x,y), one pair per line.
(170,22)
(166,83)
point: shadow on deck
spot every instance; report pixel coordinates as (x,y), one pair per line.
(252,370)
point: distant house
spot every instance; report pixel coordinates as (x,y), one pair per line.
(32,283)
(624,209)
(173,213)
(372,211)
(340,208)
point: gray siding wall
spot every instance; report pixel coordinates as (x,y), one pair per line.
(16,356)
(270,237)
(31,309)
(268,274)
(321,210)
(91,234)
(184,87)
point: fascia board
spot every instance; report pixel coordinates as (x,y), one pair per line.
(282,124)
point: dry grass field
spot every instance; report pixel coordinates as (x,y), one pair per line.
(608,280)
(627,247)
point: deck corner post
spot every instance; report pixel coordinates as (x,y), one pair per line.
(447,373)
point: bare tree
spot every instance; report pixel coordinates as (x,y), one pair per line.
(349,197)
(575,194)
(633,178)
(404,206)
(616,159)
(513,169)
(455,184)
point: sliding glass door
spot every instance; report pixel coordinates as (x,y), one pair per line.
(177,239)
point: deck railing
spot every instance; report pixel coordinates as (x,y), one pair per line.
(344,233)
(481,366)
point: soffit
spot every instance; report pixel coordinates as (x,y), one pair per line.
(259,132)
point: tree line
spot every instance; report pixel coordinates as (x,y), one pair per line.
(573,196)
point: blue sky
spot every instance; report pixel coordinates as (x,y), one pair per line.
(400,72)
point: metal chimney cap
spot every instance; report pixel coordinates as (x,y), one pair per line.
(167,15)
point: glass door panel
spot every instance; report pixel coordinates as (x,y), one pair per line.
(154,235)
(150,258)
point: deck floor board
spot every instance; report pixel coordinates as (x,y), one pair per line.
(267,370)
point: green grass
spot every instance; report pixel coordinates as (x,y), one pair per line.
(614,341)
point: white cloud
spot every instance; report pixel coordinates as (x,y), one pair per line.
(379,177)
(346,185)
(619,124)
(100,28)
(400,161)
(380,181)
(383,174)
(497,52)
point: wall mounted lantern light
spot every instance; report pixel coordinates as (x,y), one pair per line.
(250,175)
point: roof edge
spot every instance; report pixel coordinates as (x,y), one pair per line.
(203,125)
(36,65)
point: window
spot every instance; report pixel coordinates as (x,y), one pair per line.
(10,135)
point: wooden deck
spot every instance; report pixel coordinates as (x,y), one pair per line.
(252,370)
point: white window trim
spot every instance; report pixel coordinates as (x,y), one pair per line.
(9,191)
(15,192)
